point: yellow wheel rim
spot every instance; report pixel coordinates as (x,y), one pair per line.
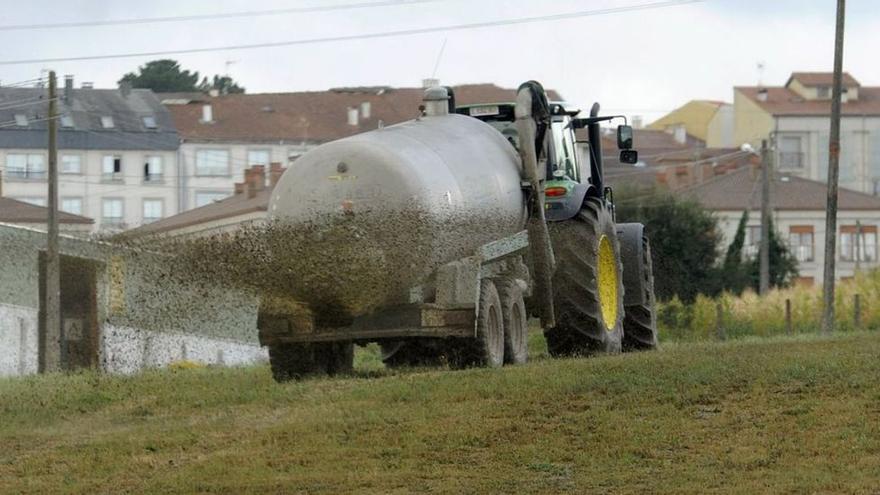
(607,283)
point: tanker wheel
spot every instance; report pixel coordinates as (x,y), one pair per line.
(297,361)
(514,322)
(487,348)
(588,292)
(411,353)
(640,322)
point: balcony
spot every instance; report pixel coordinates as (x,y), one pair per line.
(112,177)
(791,159)
(25,174)
(154,179)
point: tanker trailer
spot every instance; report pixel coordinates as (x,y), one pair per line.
(439,237)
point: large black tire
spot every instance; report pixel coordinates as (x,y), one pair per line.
(583,325)
(487,349)
(516,324)
(297,361)
(640,322)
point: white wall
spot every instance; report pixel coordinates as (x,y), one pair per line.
(18,340)
(728,221)
(238,162)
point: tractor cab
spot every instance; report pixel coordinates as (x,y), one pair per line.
(573,161)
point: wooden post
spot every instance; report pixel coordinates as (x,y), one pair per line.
(764,255)
(719,321)
(788,329)
(857,311)
(833,167)
(53,358)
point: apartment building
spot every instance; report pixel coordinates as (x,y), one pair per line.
(117,157)
(796,118)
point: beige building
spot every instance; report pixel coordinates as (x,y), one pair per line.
(796,118)
(798,207)
(707,120)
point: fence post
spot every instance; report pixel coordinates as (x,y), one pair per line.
(788,329)
(857,311)
(719,321)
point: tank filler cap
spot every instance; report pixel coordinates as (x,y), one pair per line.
(436,101)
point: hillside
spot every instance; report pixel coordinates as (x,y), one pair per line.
(781,415)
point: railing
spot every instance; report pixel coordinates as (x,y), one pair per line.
(20,173)
(154,179)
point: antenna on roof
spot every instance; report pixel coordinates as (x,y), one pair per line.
(760,73)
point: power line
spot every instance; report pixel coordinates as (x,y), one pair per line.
(386,34)
(205,17)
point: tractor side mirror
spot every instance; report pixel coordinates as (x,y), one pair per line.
(624,137)
(629,156)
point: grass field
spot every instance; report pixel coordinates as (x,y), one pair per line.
(782,415)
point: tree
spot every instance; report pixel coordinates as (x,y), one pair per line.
(684,241)
(735,274)
(783,265)
(162,76)
(224,84)
(166,76)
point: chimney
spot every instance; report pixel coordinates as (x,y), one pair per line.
(239,188)
(275,172)
(436,101)
(352,116)
(213,92)
(68,87)
(365,110)
(762,94)
(88,85)
(125,88)
(256,180)
(207,114)
(430,83)
(637,121)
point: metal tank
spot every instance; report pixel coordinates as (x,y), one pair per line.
(366,220)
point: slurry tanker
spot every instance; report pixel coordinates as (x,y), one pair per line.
(440,237)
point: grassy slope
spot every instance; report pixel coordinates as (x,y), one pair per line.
(784,415)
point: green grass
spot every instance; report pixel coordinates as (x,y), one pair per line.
(780,415)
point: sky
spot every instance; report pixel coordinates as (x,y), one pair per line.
(644,62)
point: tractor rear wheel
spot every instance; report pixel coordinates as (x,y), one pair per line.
(515,322)
(588,292)
(640,322)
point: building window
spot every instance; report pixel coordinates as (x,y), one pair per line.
(149,122)
(790,154)
(823,92)
(66,121)
(152,210)
(212,162)
(71,164)
(861,244)
(107,122)
(33,200)
(111,211)
(753,241)
(30,166)
(72,205)
(111,168)
(800,242)
(258,157)
(153,169)
(21,120)
(207,197)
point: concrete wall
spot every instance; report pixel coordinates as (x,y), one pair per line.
(148,311)
(92,186)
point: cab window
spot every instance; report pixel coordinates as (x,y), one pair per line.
(565,149)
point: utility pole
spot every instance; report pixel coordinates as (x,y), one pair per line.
(764,282)
(833,165)
(52,304)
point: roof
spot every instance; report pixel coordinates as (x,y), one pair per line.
(86,107)
(782,101)
(233,206)
(315,116)
(739,190)
(15,211)
(821,79)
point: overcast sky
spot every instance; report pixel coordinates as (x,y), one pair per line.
(643,62)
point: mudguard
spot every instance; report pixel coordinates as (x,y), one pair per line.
(568,207)
(631,245)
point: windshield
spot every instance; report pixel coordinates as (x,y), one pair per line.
(564,146)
